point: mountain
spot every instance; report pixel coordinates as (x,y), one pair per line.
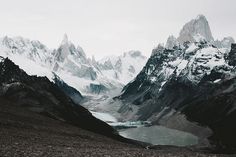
(74,94)
(171,42)
(73,60)
(224,43)
(187,85)
(39,95)
(33,50)
(38,118)
(123,68)
(196,30)
(68,63)
(73,66)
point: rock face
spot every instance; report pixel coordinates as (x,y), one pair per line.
(232,55)
(196,30)
(171,42)
(192,62)
(187,87)
(73,60)
(224,43)
(39,95)
(75,95)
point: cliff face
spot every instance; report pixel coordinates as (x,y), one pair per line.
(196,30)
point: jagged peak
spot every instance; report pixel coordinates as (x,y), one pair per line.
(158,49)
(81,51)
(20,40)
(196,29)
(201,16)
(171,42)
(229,38)
(65,39)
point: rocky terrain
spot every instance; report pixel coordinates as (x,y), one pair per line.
(187,85)
(26,133)
(38,119)
(39,95)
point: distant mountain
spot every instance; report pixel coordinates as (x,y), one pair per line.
(33,50)
(69,63)
(73,60)
(187,84)
(123,68)
(73,66)
(196,30)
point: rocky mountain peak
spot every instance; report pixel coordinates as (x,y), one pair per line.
(224,43)
(9,72)
(65,49)
(171,42)
(68,48)
(65,39)
(196,30)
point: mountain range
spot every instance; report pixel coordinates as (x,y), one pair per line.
(188,85)
(71,64)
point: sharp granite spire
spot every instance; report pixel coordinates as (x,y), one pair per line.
(196,30)
(65,39)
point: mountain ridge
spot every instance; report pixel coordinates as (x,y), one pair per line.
(172,80)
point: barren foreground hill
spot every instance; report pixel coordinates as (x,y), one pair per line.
(25,133)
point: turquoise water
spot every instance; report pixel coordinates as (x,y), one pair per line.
(159,135)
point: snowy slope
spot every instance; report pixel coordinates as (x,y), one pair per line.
(32,56)
(123,68)
(33,50)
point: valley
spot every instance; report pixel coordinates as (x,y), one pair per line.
(178,102)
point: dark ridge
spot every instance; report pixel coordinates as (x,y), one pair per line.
(39,95)
(74,94)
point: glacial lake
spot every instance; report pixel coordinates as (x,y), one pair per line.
(142,131)
(159,135)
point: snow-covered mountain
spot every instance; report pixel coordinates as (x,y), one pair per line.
(32,56)
(123,68)
(185,82)
(224,43)
(70,64)
(188,59)
(33,50)
(190,62)
(71,59)
(73,66)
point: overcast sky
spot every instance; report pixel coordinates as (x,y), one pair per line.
(107,27)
